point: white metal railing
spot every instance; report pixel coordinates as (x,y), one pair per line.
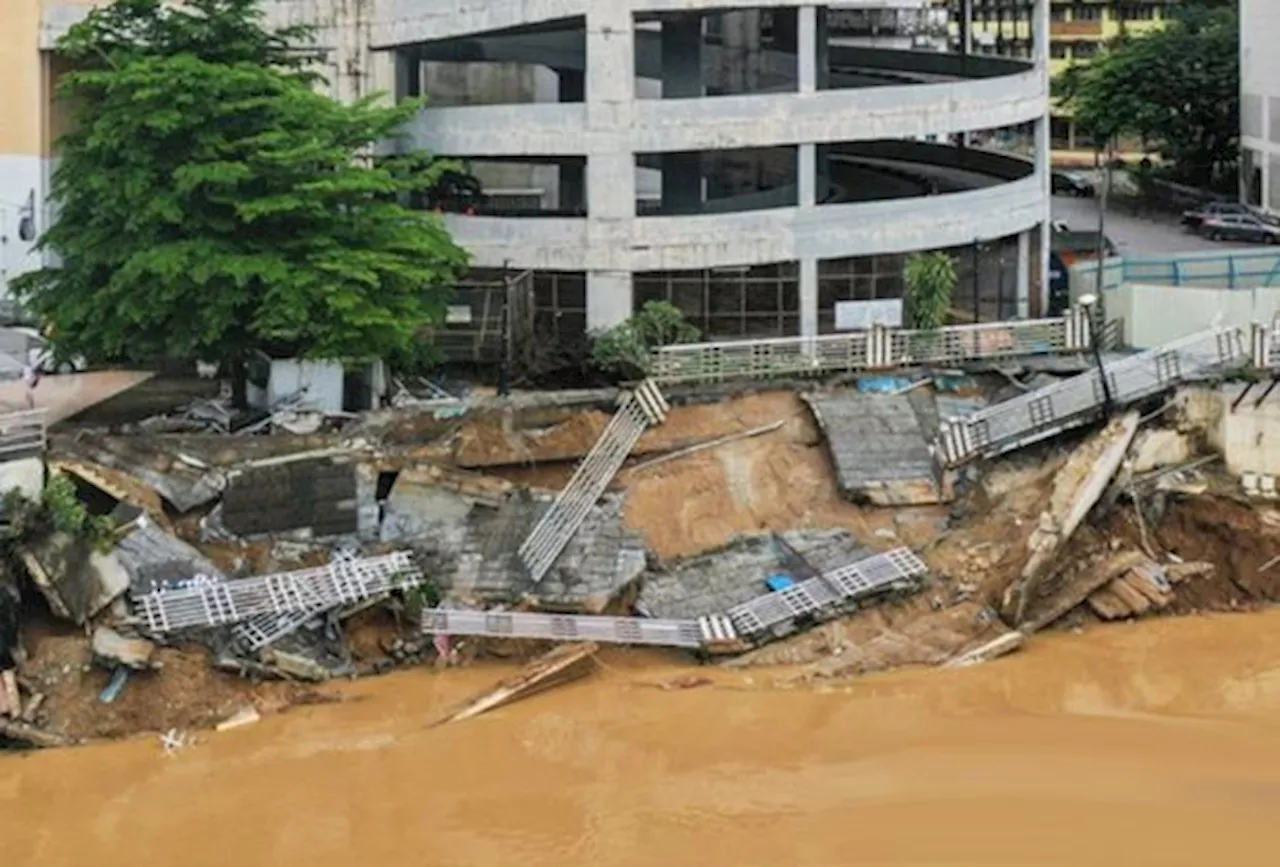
(22,433)
(878,348)
(254,602)
(1044,412)
(753,621)
(640,408)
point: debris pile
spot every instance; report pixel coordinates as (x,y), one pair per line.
(216,575)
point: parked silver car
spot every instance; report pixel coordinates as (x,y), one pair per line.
(1250,227)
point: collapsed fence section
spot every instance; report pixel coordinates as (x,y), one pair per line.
(1042,413)
(639,409)
(207,602)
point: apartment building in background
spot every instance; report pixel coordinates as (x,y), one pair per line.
(1078,30)
(762,167)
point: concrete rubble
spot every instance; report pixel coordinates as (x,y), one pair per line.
(455,486)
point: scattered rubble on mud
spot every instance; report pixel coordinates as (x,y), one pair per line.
(756,491)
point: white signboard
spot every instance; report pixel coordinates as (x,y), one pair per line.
(458,314)
(860,315)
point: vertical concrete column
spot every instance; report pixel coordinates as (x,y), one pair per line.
(408,76)
(682,79)
(571,176)
(611,164)
(808,297)
(1023,278)
(813,73)
(1040,51)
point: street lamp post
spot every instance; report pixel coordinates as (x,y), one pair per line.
(1090,303)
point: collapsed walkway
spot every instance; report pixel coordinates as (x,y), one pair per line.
(1045,412)
(770,615)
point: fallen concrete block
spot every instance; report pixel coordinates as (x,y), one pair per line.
(1076,488)
(111,649)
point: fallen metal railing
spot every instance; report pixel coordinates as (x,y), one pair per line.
(878,348)
(267,603)
(1047,411)
(767,615)
(639,409)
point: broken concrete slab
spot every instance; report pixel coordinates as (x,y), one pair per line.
(1076,488)
(77,580)
(111,649)
(185,485)
(1093,577)
(435,500)
(600,561)
(117,484)
(719,580)
(879,446)
(150,557)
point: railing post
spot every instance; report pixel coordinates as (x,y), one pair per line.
(878,343)
(1259,346)
(1077,329)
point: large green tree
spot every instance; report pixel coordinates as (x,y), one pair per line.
(211,201)
(1176,88)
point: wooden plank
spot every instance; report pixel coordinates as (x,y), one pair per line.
(561,665)
(1139,603)
(1108,605)
(1138,580)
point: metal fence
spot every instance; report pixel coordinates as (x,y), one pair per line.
(878,348)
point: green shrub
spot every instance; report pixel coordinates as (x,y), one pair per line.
(930,281)
(627,348)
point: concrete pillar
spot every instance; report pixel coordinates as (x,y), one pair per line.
(408,76)
(813,71)
(682,79)
(611,164)
(609,299)
(1040,51)
(1023,280)
(571,179)
(807,176)
(808,297)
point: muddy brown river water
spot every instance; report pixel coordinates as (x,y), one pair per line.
(1152,744)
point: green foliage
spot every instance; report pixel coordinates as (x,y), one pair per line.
(628,347)
(212,202)
(930,281)
(1175,88)
(59,510)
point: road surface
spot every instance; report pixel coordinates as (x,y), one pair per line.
(1136,237)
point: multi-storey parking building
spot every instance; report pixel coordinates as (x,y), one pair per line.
(755,166)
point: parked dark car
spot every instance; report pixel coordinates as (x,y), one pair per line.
(1194,217)
(1250,227)
(1069,184)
